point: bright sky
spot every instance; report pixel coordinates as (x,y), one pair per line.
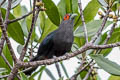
(72,64)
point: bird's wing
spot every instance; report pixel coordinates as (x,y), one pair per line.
(46,44)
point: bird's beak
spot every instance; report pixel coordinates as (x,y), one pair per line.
(73,16)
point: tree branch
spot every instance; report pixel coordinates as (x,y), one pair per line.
(6,61)
(83,68)
(67,56)
(83,21)
(108,37)
(34,18)
(88,74)
(24,16)
(3,28)
(110,33)
(102,27)
(16,67)
(1,42)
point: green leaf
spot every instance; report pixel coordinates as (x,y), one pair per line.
(50,74)
(64,69)
(39,71)
(42,19)
(103,3)
(75,6)
(14,29)
(49,27)
(105,52)
(29,21)
(92,28)
(8,56)
(115,37)
(14,3)
(24,27)
(107,65)
(89,12)
(80,41)
(112,77)
(52,11)
(68,4)
(115,6)
(62,8)
(83,74)
(23,76)
(17,11)
(24,10)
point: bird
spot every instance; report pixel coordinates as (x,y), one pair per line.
(57,43)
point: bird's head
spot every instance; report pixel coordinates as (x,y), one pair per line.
(69,17)
(68,20)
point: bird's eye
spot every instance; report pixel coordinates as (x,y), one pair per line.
(66,17)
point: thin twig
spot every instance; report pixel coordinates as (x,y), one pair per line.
(110,33)
(88,74)
(83,68)
(22,17)
(6,61)
(108,37)
(102,27)
(83,21)
(1,42)
(81,65)
(16,67)
(3,28)
(34,18)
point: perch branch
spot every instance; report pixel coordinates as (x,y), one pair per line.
(67,56)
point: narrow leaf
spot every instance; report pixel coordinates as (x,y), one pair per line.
(92,28)
(23,76)
(114,77)
(52,11)
(107,65)
(14,29)
(89,12)
(68,4)
(62,8)
(50,74)
(64,69)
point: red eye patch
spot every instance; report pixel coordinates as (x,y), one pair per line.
(66,17)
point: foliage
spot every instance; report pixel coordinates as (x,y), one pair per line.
(49,21)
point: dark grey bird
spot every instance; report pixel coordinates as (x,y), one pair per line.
(57,43)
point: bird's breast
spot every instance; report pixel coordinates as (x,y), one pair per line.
(63,39)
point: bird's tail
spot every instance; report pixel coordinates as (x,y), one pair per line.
(29,71)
